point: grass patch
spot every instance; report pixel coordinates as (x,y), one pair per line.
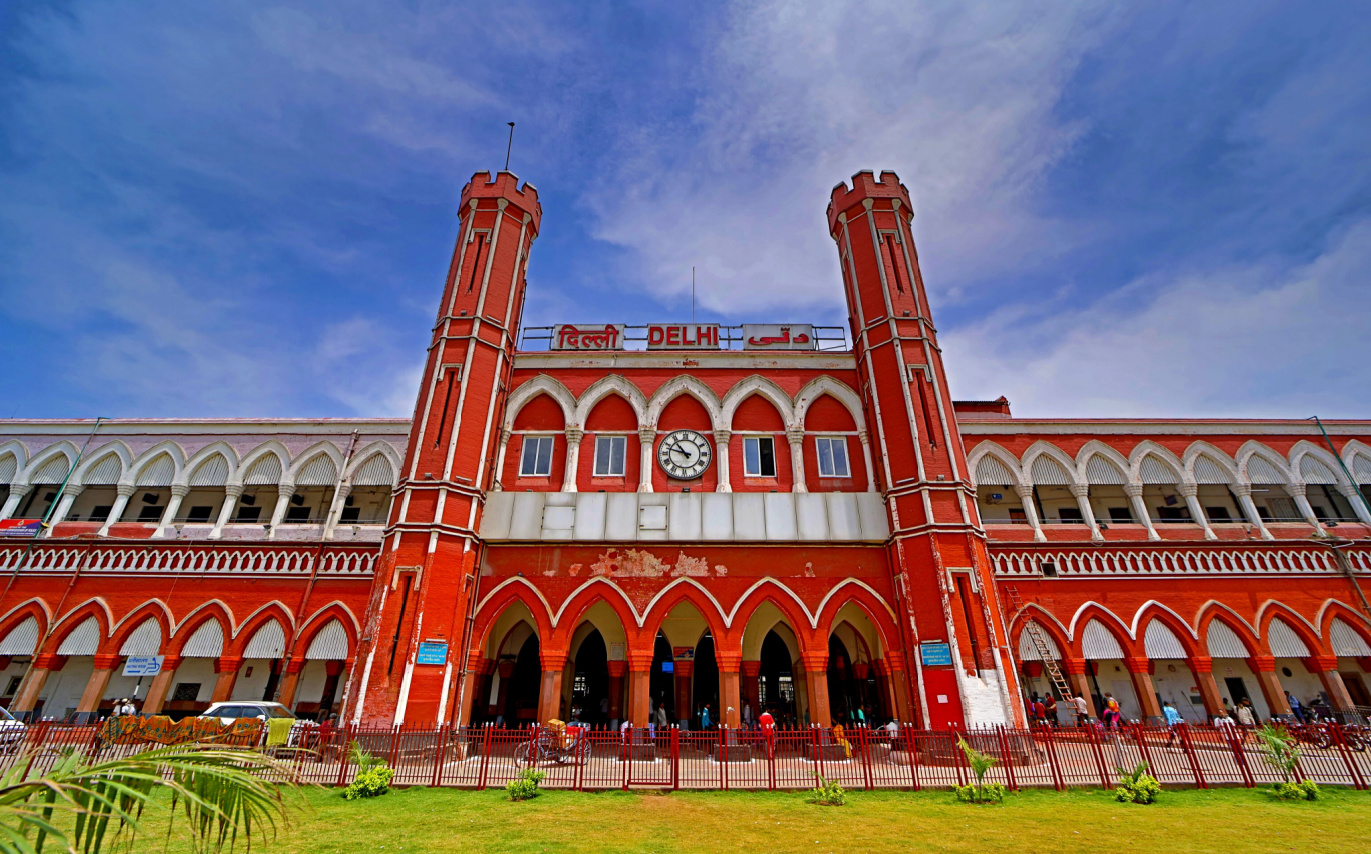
(417,821)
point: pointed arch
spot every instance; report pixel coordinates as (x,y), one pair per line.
(841,392)
(506,593)
(541,384)
(12,452)
(687,590)
(40,461)
(997,453)
(1112,469)
(1272,609)
(1334,609)
(148,466)
(583,598)
(364,471)
(1168,467)
(310,468)
(763,387)
(198,615)
(1318,458)
(1213,611)
(34,610)
(242,638)
(94,608)
(333,614)
(685,384)
(1043,619)
(613,384)
(850,591)
(1205,463)
(98,459)
(1092,610)
(1042,449)
(1269,466)
(1356,454)
(153,609)
(191,471)
(1153,611)
(248,471)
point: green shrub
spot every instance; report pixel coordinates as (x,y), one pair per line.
(1306,790)
(1137,786)
(828,793)
(524,786)
(987,793)
(1280,750)
(979,792)
(369,783)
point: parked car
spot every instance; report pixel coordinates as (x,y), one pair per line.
(12,730)
(229,711)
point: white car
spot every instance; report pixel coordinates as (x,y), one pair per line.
(12,731)
(229,711)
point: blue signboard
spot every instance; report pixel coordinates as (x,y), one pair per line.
(143,665)
(935,654)
(432,652)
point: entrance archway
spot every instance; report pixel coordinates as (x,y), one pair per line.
(779,684)
(589,688)
(706,683)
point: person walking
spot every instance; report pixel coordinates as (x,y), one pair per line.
(1295,708)
(661,715)
(1246,715)
(1039,712)
(1173,720)
(768,724)
(1082,710)
(1050,706)
(704,716)
(1112,717)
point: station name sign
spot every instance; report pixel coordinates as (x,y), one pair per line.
(607,337)
(684,336)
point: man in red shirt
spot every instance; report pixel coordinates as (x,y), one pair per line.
(768,731)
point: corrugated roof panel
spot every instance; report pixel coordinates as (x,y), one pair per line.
(1160,642)
(267,642)
(1312,470)
(267,470)
(1223,642)
(104,473)
(1049,472)
(22,639)
(83,640)
(319,471)
(1284,642)
(331,644)
(159,472)
(1100,470)
(145,640)
(1346,641)
(376,471)
(211,472)
(207,642)
(1098,643)
(1361,469)
(1260,470)
(52,471)
(1153,470)
(9,464)
(1028,650)
(991,472)
(1208,471)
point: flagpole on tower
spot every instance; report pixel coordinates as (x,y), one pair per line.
(510,147)
(692,294)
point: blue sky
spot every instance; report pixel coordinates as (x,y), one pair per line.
(235,209)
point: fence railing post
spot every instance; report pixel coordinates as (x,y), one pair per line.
(485,756)
(394,745)
(438,758)
(675,757)
(911,743)
(721,745)
(1340,738)
(769,746)
(1008,758)
(1098,752)
(864,746)
(959,759)
(1190,754)
(1053,762)
(818,749)
(1236,745)
(626,752)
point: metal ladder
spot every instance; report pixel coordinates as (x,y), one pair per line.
(1041,645)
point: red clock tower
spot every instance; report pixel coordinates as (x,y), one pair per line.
(958,657)
(412,656)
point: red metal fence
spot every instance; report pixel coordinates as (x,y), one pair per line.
(858,758)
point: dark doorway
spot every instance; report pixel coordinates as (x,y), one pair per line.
(776,688)
(590,692)
(1237,689)
(1356,689)
(521,700)
(706,681)
(846,691)
(661,682)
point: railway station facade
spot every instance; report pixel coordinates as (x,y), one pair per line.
(596,521)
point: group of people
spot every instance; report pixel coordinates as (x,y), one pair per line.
(1045,711)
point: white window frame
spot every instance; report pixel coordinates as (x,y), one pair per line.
(609,463)
(524,457)
(835,474)
(759,440)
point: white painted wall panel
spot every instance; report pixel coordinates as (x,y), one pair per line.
(590,515)
(875,522)
(683,521)
(621,517)
(495,520)
(749,517)
(811,516)
(717,516)
(526,523)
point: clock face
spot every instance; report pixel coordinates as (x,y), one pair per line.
(684,454)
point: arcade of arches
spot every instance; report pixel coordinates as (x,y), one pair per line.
(679,663)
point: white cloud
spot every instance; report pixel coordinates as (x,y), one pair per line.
(958,98)
(1265,340)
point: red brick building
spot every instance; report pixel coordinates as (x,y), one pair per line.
(601,521)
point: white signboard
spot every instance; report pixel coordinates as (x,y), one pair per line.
(571,337)
(785,336)
(143,665)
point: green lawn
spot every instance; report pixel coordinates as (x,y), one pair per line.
(1224,821)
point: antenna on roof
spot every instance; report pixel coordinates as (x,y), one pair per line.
(510,147)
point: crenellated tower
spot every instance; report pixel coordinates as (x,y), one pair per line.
(411,663)
(937,550)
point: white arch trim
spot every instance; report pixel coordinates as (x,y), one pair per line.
(98,600)
(233,626)
(541,384)
(820,386)
(1199,614)
(1285,610)
(994,449)
(352,618)
(614,384)
(290,617)
(1150,603)
(1075,618)
(171,621)
(677,386)
(759,385)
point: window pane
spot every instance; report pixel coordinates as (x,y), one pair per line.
(825,457)
(602,451)
(840,468)
(618,447)
(544,455)
(767,448)
(750,463)
(528,463)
